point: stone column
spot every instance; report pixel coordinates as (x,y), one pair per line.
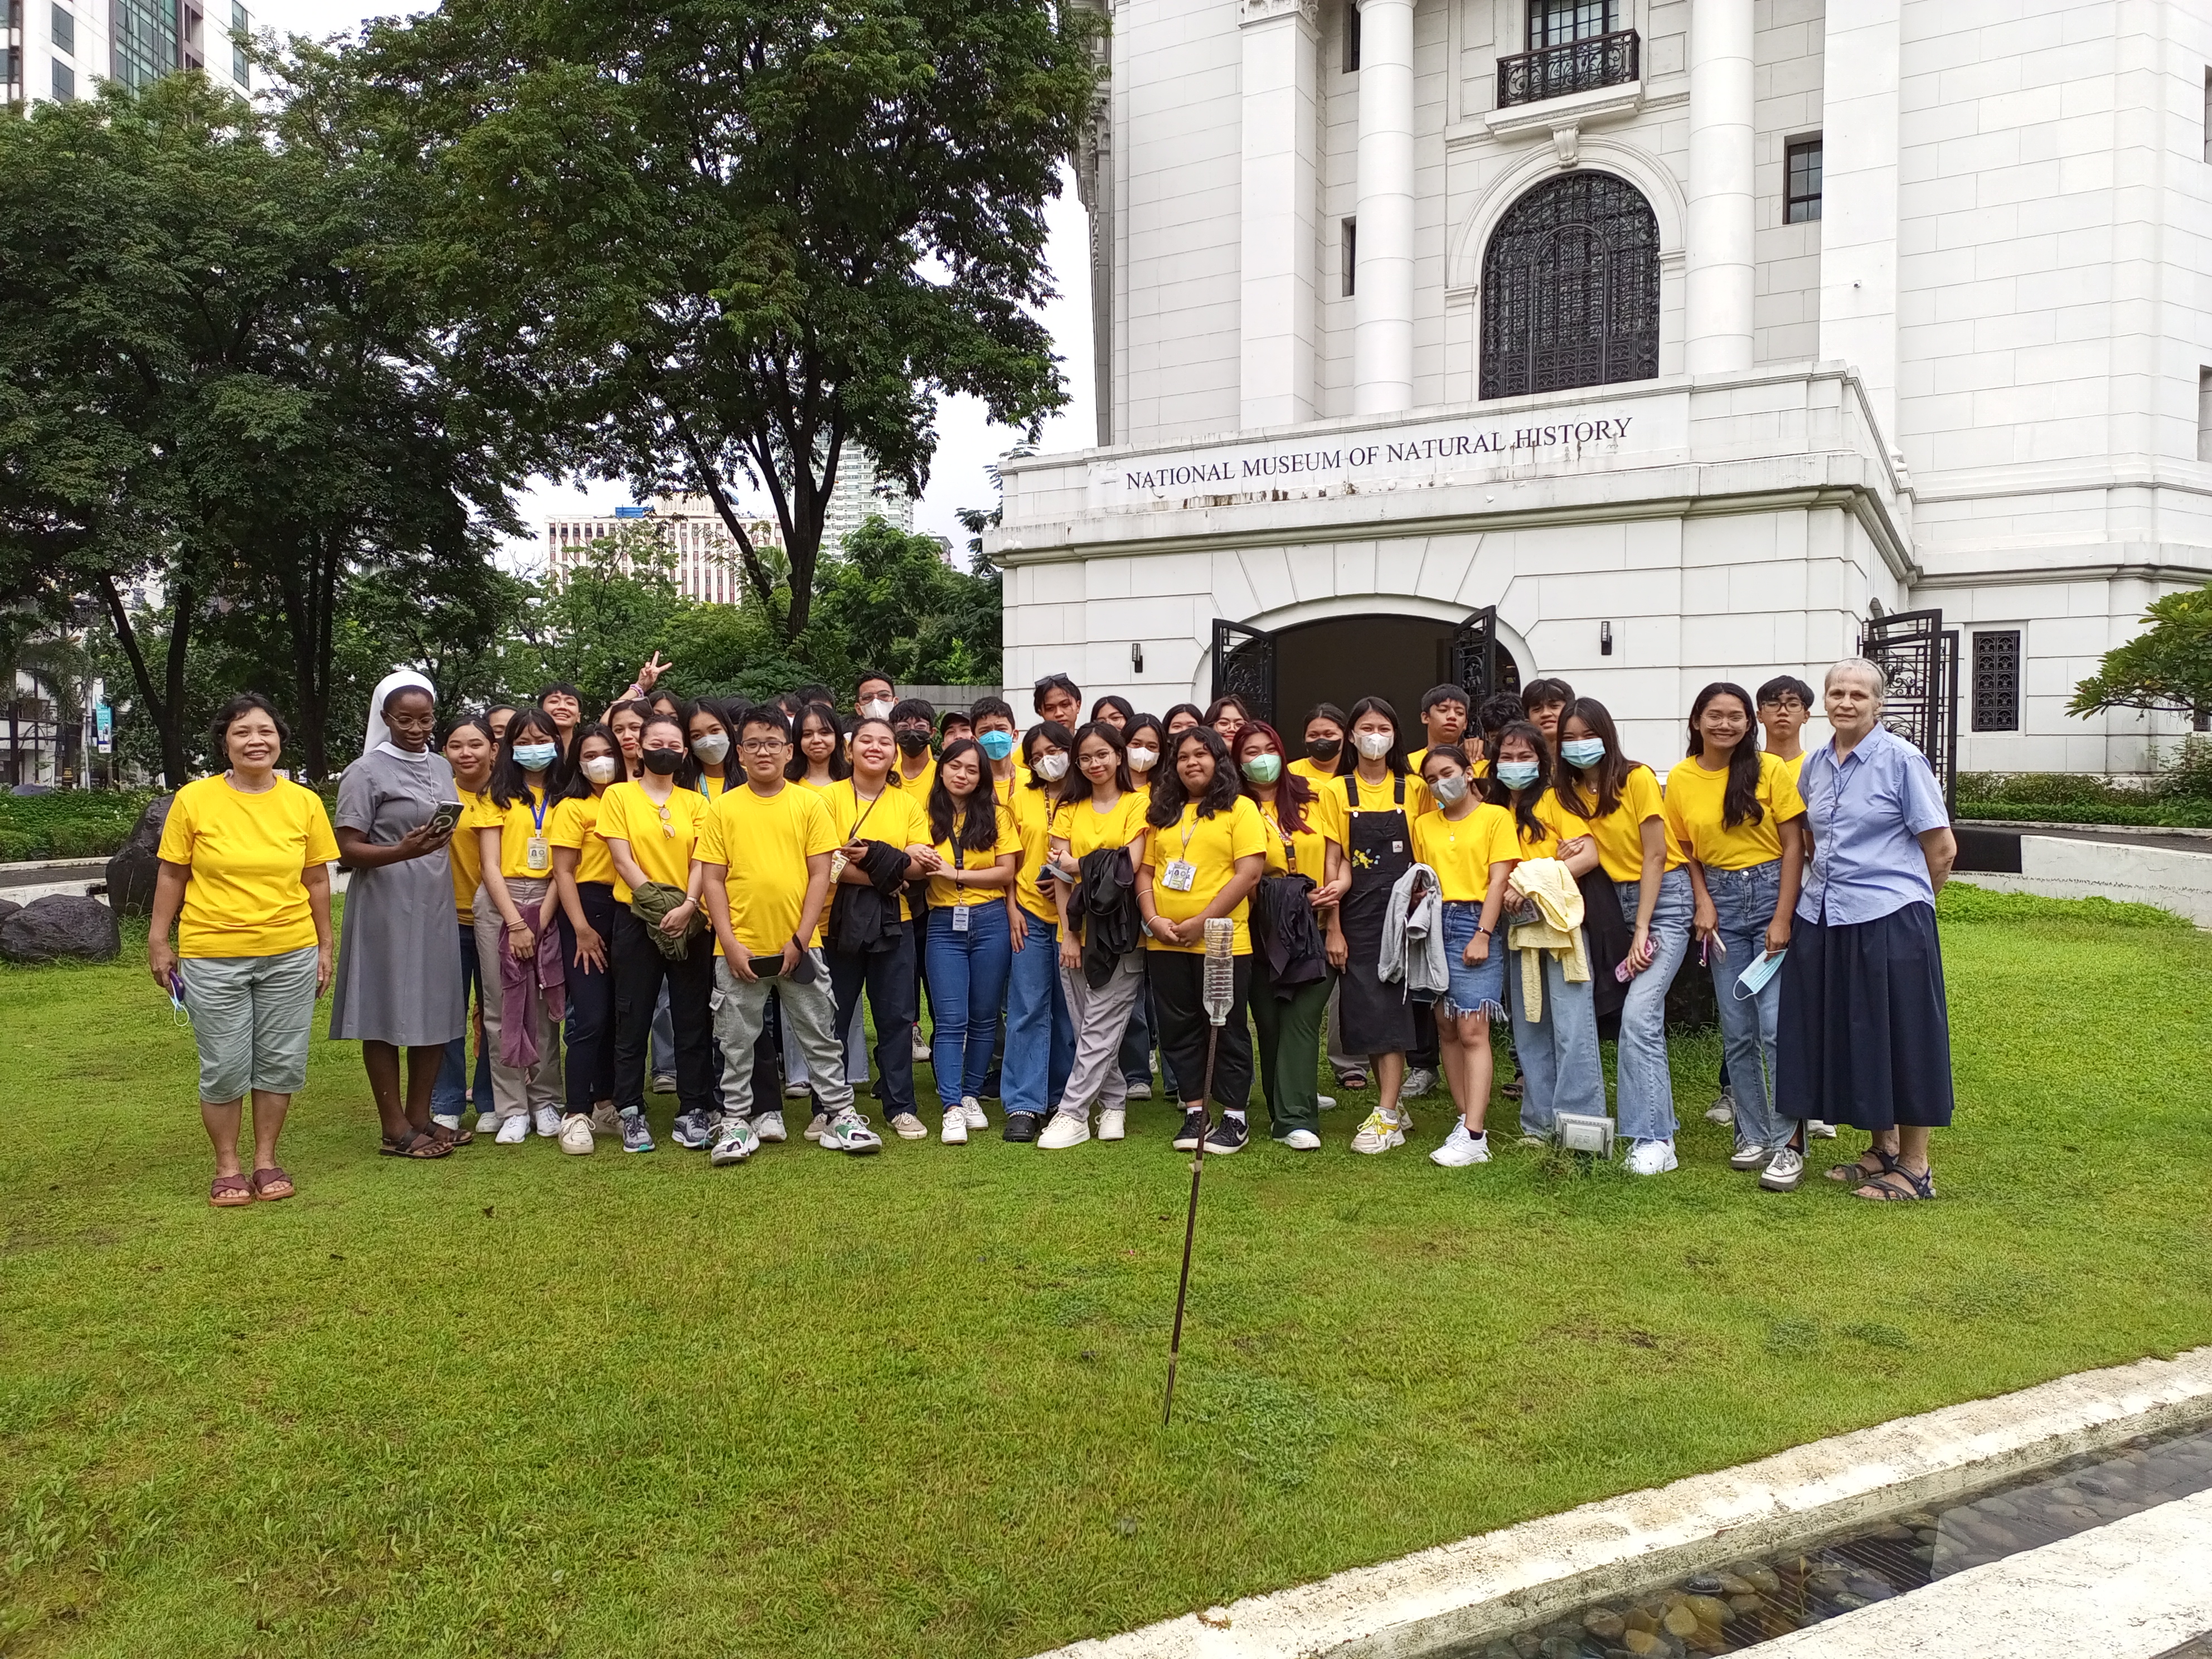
(1858,201)
(1719,265)
(1382,294)
(1281,136)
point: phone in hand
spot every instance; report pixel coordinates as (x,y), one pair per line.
(444,817)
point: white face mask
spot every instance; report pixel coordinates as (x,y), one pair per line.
(1052,768)
(710,748)
(600,769)
(877,708)
(1142,759)
(1448,790)
(1374,744)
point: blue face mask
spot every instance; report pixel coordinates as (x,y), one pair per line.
(535,756)
(1516,775)
(996,744)
(1750,982)
(1583,752)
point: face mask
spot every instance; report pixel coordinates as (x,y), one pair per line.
(913,742)
(1373,745)
(996,744)
(710,748)
(1449,790)
(662,761)
(601,768)
(1752,980)
(1324,749)
(877,708)
(1142,759)
(535,756)
(1583,752)
(1517,775)
(1264,769)
(1051,768)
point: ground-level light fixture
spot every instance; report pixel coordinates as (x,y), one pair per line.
(1579,1132)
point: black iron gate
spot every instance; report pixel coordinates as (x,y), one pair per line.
(1479,663)
(1922,661)
(1244,667)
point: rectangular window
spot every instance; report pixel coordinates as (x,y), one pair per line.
(1801,192)
(1351,40)
(1562,22)
(1996,681)
(1351,257)
(2207,114)
(2204,414)
(64,83)
(64,31)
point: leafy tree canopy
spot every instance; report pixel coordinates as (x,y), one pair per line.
(2168,666)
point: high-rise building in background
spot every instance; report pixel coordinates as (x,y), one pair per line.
(707,567)
(854,499)
(62,49)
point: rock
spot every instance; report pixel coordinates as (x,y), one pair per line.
(1527,1642)
(130,873)
(1680,1621)
(1605,1624)
(1827,1583)
(1850,1602)
(61,929)
(1643,1619)
(1709,1610)
(1746,1603)
(1641,1642)
(1998,1506)
(1705,1583)
(7,907)
(1873,1589)
(1892,1534)
(1764,1580)
(1733,1584)
(1560,1647)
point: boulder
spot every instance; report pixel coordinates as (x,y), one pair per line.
(131,872)
(61,929)
(7,907)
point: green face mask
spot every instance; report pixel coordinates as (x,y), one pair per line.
(1264,769)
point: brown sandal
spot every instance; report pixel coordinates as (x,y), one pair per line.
(264,1180)
(416,1143)
(230,1192)
(452,1137)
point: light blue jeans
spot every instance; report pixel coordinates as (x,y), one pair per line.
(1744,901)
(1644,1101)
(1040,1031)
(1561,1070)
(967,980)
(449,1096)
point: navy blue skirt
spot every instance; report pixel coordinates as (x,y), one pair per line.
(1865,1033)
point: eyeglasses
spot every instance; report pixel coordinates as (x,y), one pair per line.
(762,745)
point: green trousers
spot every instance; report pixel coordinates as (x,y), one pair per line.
(1289,1049)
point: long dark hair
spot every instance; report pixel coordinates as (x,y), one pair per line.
(1153,724)
(797,768)
(509,783)
(1232,700)
(1292,791)
(1079,786)
(577,786)
(1170,795)
(1740,800)
(1348,760)
(1611,773)
(1520,803)
(978,830)
(1120,705)
(1192,709)
(689,774)
(1052,731)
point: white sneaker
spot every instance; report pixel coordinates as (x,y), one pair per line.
(1462,1147)
(548,1121)
(1748,1157)
(606,1121)
(796,1090)
(849,1132)
(1113,1123)
(1326,1103)
(1819,1130)
(449,1121)
(1784,1171)
(1379,1133)
(972,1109)
(815,1125)
(1721,1110)
(1302,1141)
(514,1131)
(576,1136)
(1065,1130)
(1140,1090)
(1651,1157)
(769,1126)
(956,1127)
(1419,1080)
(734,1142)
(664,1083)
(910,1127)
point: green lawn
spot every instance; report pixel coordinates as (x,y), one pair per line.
(516,1404)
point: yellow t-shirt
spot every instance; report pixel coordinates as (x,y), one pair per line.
(1795,768)
(1312,770)
(1213,846)
(1383,797)
(247,855)
(894,816)
(663,847)
(1477,766)
(765,841)
(1560,824)
(710,790)
(917,786)
(1695,799)
(1085,829)
(944,893)
(575,824)
(1620,833)
(1033,816)
(465,858)
(525,817)
(819,788)
(1326,818)
(1461,854)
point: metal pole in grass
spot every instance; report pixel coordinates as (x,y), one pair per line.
(1219,992)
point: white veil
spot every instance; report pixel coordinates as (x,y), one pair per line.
(379,734)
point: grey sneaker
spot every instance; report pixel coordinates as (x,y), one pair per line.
(692,1131)
(769,1126)
(636,1137)
(1783,1171)
(849,1132)
(1419,1080)
(1749,1157)
(664,1083)
(1723,1110)
(734,1142)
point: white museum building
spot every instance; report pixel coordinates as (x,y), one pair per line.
(1643,343)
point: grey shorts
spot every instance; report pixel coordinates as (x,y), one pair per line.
(251,1017)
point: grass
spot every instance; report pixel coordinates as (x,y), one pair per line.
(518,1404)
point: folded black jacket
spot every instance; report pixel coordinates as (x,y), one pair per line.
(1606,931)
(866,919)
(1105,907)
(1284,928)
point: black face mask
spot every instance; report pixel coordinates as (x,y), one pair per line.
(662,761)
(912,743)
(1325,749)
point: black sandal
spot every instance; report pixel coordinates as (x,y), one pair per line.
(1856,1172)
(416,1143)
(1880,1189)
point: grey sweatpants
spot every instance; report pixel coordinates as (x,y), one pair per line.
(1100,1018)
(810,1018)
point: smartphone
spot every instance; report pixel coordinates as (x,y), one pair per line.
(444,817)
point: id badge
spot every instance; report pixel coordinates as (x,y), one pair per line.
(960,918)
(1180,876)
(535,856)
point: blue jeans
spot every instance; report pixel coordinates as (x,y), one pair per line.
(1644,1101)
(1561,1070)
(967,982)
(1744,902)
(449,1095)
(1040,1031)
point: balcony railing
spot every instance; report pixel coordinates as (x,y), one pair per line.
(1603,60)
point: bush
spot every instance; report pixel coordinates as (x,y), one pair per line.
(2180,796)
(2186,773)
(70,824)
(1961,901)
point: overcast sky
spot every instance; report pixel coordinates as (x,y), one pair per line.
(967,442)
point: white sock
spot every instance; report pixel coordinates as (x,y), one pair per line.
(1231,1111)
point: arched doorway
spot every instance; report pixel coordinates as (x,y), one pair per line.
(1282,672)
(1570,288)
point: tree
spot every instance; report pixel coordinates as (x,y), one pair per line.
(729,238)
(2167,668)
(597,622)
(892,602)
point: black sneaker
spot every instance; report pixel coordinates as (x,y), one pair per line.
(1021,1126)
(1228,1136)
(1193,1132)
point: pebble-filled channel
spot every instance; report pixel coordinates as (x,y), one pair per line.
(1753,1600)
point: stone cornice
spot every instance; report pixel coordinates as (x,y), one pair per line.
(1267,11)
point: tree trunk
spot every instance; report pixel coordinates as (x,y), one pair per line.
(164,702)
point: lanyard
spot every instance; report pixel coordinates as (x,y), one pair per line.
(863,818)
(536,808)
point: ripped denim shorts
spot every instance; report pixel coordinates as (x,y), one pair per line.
(1480,989)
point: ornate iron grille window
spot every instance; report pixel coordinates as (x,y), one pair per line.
(1801,184)
(1570,288)
(1996,681)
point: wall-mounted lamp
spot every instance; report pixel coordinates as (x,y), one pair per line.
(1136,656)
(1604,639)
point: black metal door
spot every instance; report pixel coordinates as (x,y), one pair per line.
(1922,661)
(1244,667)
(1479,662)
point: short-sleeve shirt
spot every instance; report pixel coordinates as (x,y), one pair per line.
(1315,772)
(1212,846)
(1326,821)
(916,786)
(1619,833)
(1867,814)
(574,823)
(248,855)
(663,845)
(517,822)
(944,893)
(894,817)
(465,857)
(1559,825)
(765,841)
(1085,829)
(1477,766)
(1033,813)
(1461,852)
(1383,797)
(1796,768)
(1695,806)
